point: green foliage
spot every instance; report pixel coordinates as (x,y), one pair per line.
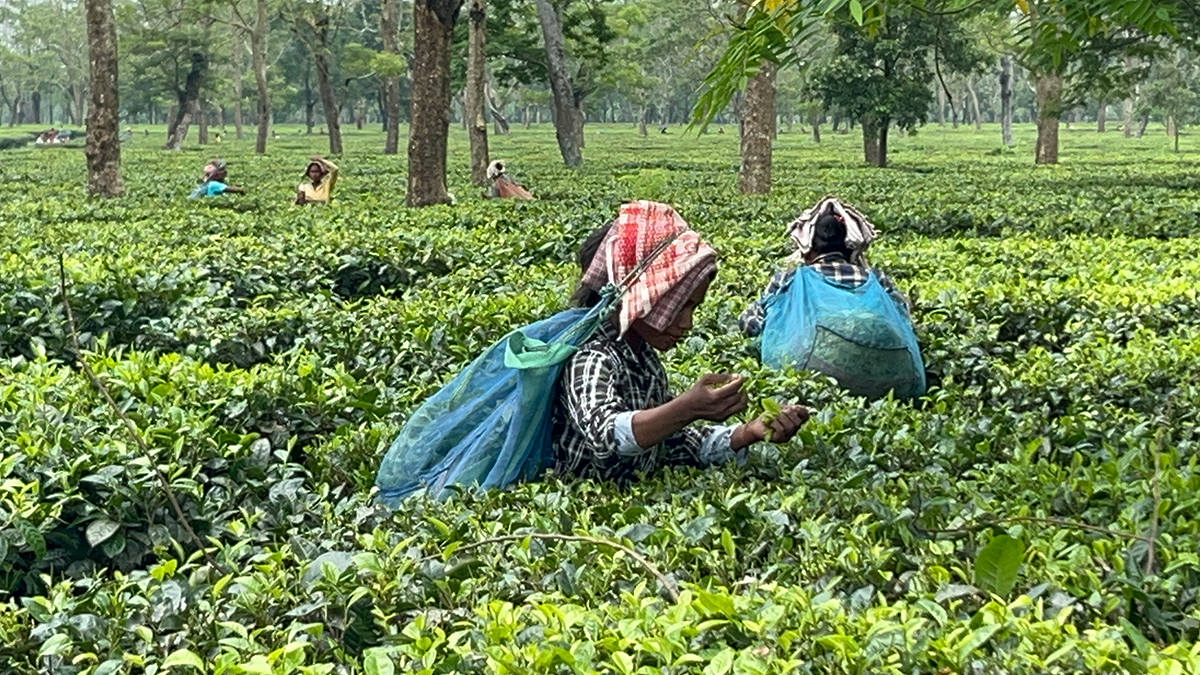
(881,73)
(268,354)
(997,564)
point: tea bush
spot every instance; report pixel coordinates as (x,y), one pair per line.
(267,354)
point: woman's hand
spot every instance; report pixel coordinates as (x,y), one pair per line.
(782,428)
(715,398)
(786,423)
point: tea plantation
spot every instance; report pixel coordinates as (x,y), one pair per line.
(267,354)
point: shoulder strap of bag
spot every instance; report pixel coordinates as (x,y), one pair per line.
(645,263)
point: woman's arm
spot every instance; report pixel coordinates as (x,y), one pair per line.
(714,397)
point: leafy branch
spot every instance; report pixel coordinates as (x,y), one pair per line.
(128,423)
(669,585)
(958,532)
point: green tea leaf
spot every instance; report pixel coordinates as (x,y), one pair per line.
(997,564)
(184,657)
(99,531)
(377,661)
(976,640)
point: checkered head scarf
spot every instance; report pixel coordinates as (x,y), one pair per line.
(669,282)
(859,231)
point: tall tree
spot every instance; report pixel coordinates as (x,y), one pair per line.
(313,25)
(1076,47)
(1006,100)
(758,127)
(258,58)
(880,75)
(429,129)
(252,21)
(186,101)
(238,51)
(1055,36)
(389,24)
(1173,92)
(476,92)
(103,148)
(568,119)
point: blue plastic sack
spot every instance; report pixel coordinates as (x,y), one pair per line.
(492,424)
(858,336)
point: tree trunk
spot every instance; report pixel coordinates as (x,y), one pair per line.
(35,107)
(974,100)
(80,105)
(1142,125)
(201,122)
(580,118)
(1175,134)
(13,106)
(389,24)
(1171,131)
(187,101)
(1049,104)
(476,93)
(815,120)
(258,58)
(309,101)
(499,121)
(941,104)
(1006,96)
(1127,122)
(238,50)
(429,129)
(526,117)
(754,177)
(103,146)
(874,133)
(1102,116)
(567,125)
(328,102)
(642,121)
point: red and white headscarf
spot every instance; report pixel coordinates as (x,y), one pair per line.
(859,231)
(658,294)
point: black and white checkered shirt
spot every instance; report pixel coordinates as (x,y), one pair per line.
(835,268)
(603,384)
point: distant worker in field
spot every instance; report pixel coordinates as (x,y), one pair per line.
(615,416)
(213,184)
(502,185)
(829,311)
(320,177)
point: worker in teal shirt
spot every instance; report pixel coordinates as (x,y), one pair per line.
(213,183)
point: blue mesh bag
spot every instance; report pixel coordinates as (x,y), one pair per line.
(858,336)
(492,424)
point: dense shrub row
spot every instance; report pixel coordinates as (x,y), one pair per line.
(268,354)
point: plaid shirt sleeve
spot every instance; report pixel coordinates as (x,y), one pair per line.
(890,286)
(701,446)
(751,321)
(593,406)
